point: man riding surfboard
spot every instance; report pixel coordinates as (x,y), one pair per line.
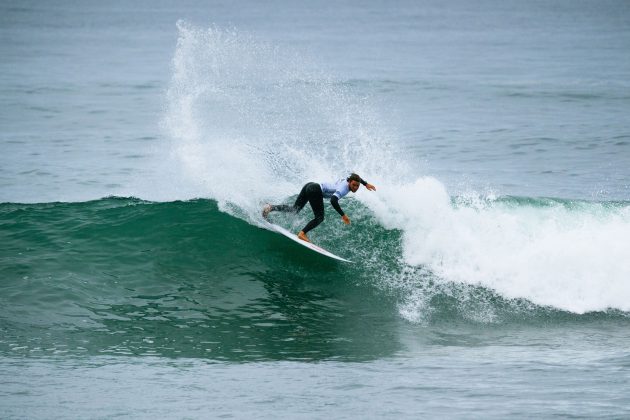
(315,193)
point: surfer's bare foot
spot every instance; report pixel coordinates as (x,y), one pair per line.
(266,210)
(303,236)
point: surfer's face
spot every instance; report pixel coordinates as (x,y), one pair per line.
(354,186)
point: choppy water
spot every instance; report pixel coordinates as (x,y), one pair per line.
(140,141)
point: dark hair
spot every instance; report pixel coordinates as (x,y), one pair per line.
(354,177)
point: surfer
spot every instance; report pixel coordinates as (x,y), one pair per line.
(315,193)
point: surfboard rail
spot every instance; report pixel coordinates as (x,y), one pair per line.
(309,245)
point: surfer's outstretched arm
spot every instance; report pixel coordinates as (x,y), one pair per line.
(334,201)
(366,184)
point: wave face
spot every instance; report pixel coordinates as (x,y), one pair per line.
(126,276)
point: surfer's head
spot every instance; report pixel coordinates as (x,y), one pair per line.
(354,182)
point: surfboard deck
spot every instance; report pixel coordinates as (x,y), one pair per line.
(308,245)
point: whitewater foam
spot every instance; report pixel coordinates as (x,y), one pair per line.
(566,255)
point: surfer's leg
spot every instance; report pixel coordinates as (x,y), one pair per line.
(304,196)
(282,207)
(316,200)
(299,202)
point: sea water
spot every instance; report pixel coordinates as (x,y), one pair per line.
(139,142)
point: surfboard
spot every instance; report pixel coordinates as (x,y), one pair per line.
(308,245)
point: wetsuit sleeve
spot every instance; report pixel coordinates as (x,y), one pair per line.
(364,182)
(334,200)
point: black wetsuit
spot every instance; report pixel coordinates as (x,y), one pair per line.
(314,193)
(311,192)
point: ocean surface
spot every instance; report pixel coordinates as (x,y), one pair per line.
(491,268)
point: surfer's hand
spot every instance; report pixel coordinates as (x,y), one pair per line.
(370,187)
(345,219)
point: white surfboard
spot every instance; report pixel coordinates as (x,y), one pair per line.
(309,245)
